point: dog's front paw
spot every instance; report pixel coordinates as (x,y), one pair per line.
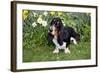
(56,51)
(67,51)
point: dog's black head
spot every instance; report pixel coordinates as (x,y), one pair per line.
(55,25)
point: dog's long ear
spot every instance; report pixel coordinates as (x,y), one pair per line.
(60,34)
(60,38)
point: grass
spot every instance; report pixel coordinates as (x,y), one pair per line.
(78,52)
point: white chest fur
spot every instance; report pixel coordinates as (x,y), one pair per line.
(57,44)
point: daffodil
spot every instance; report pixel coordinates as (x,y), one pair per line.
(25,17)
(35,14)
(25,14)
(60,13)
(45,13)
(44,23)
(39,20)
(34,24)
(52,13)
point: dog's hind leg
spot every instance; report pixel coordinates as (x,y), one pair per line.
(66,49)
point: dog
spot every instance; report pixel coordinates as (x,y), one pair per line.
(61,36)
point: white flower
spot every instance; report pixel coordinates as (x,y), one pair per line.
(39,20)
(45,13)
(63,23)
(44,23)
(35,14)
(34,24)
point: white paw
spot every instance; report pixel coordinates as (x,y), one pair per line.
(56,51)
(67,51)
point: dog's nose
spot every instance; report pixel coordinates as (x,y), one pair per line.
(50,30)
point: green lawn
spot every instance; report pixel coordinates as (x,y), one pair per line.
(78,52)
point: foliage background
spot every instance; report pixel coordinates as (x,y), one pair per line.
(35,27)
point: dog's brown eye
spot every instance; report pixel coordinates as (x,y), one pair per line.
(50,30)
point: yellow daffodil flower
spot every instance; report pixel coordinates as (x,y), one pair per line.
(60,13)
(25,14)
(52,13)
